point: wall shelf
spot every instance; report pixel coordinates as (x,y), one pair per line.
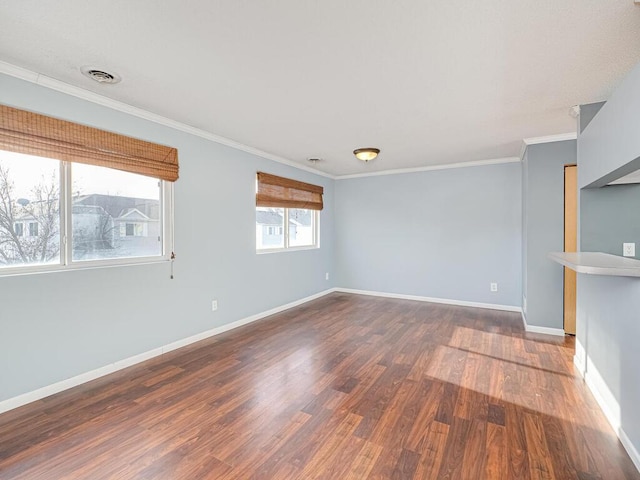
(597,263)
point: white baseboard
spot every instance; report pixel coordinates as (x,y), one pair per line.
(446,301)
(630,448)
(57,387)
(546,330)
(607,400)
(610,407)
(580,358)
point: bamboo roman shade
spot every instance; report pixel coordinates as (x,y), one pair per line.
(283,192)
(35,134)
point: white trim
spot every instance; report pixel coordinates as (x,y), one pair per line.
(544,330)
(18,72)
(630,448)
(461,303)
(561,137)
(63,87)
(579,358)
(608,403)
(605,398)
(477,163)
(57,387)
(57,85)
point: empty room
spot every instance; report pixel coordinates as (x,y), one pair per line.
(309,239)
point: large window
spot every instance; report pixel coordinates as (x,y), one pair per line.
(61,214)
(287,213)
(75,196)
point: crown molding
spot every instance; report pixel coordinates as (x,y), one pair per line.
(63,87)
(66,88)
(477,163)
(561,137)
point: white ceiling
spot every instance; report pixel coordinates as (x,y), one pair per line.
(428,82)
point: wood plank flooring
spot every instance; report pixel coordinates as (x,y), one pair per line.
(343,387)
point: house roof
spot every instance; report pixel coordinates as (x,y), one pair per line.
(132,214)
(117,206)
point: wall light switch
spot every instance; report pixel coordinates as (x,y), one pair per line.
(628,249)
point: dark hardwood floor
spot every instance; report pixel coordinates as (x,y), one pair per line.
(344,387)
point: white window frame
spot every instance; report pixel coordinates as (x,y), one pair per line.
(285,226)
(66,248)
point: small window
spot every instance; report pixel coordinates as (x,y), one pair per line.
(271,224)
(19,229)
(33,229)
(287,213)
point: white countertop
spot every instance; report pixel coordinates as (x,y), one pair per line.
(596,263)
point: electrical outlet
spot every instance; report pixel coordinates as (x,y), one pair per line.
(494,287)
(214,305)
(628,249)
(326,276)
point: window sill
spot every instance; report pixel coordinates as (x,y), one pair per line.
(88,265)
(290,249)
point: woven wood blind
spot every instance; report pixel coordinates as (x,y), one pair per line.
(283,192)
(35,134)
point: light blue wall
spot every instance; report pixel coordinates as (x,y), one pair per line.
(57,325)
(609,330)
(608,308)
(445,234)
(612,140)
(544,227)
(588,113)
(610,216)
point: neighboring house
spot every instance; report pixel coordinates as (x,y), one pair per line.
(301,227)
(26,226)
(133,227)
(104,226)
(269,228)
(93,229)
(138,232)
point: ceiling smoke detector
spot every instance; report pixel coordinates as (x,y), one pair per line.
(313,160)
(100,76)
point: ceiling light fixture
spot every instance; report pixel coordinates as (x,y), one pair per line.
(100,76)
(366,154)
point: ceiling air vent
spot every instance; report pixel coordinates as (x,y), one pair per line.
(100,76)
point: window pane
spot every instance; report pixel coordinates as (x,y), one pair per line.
(301,227)
(269,228)
(29,210)
(114,214)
